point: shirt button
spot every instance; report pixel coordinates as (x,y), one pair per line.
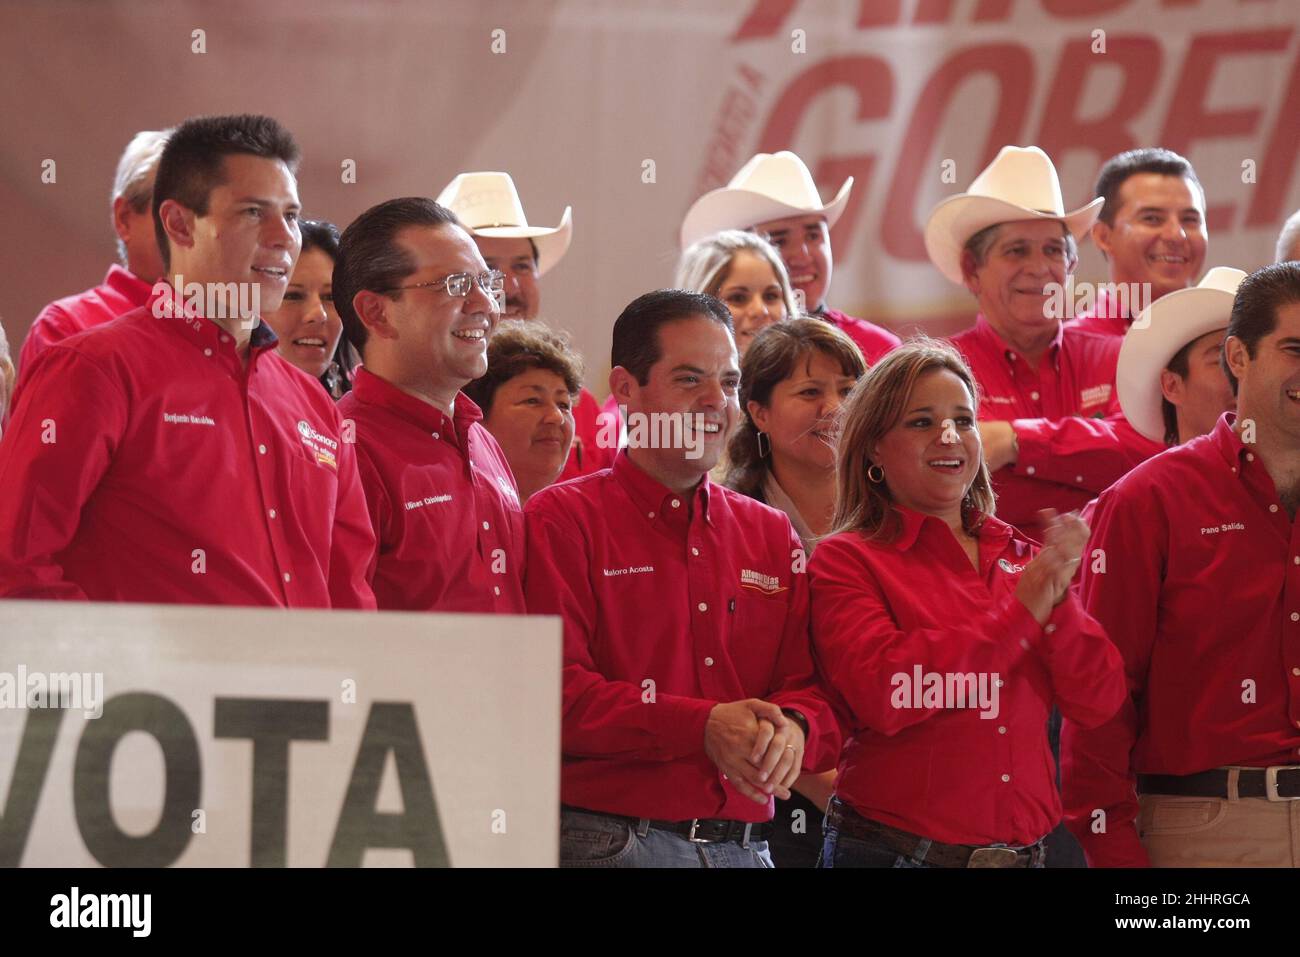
(998,682)
(1250,456)
(1002,729)
(1024,644)
(702,606)
(287,576)
(271,513)
(1296,559)
(207,352)
(1272,508)
(262,450)
(1295,616)
(650,514)
(1006,778)
(1030,470)
(677,503)
(436,435)
(708,662)
(1079,479)
(1034,396)
(496,589)
(696,551)
(225,338)
(485,526)
(1296,672)
(1049,628)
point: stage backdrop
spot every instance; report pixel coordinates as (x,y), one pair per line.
(148,736)
(628,111)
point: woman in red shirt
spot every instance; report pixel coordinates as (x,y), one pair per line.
(946,638)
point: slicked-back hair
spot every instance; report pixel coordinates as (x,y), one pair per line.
(320,234)
(370,257)
(1150,159)
(1254,310)
(636,331)
(193,162)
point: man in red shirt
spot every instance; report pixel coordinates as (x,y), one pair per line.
(171,455)
(775,195)
(1194,571)
(488,207)
(417,302)
(1151,230)
(127,285)
(689,691)
(1053,432)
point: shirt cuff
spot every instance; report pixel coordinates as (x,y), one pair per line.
(681,733)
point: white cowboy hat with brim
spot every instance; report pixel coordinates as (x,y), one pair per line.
(1155,337)
(770,186)
(1019,184)
(487,204)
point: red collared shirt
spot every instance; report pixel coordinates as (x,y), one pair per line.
(1201,593)
(146,463)
(886,614)
(120,292)
(587,454)
(1074,440)
(671,604)
(442,500)
(1106,317)
(874,341)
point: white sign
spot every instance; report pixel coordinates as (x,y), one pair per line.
(149,736)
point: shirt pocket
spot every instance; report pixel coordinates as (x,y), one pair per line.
(757,626)
(309,493)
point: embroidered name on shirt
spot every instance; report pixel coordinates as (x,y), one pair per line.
(428,500)
(611,572)
(1009,568)
(999,400)
(180,418)
(322,447)
(767,584)
(1097,395)
(1226,527)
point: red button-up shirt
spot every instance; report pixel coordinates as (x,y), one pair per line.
(874,341)
(1201,593)
(587,454)
(146,463)
(1106,317)
(1074,440)
(887,616)
(442,500)
(671,604)
(120,292)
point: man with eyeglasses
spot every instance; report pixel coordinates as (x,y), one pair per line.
(419,304)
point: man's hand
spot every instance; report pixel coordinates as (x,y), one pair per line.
(730,739)
(778,754)
(999,441)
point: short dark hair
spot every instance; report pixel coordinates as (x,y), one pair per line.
(370,258)
(193,162)
(320,234)
(521,345)
(1254,310)
(1179,365)
(636,331)
(1150,159)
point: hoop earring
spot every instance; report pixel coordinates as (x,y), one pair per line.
(875,474)
(764,445)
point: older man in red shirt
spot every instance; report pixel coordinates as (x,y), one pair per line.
(418,303)
(171,455)
(1194,571)
(1053,432)
(689,690)
(127,284)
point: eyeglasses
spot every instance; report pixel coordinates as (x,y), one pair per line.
(458,284)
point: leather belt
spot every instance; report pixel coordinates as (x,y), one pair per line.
(700,830)
(936,853)
(1279,783)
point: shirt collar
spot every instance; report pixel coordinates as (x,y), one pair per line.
(984,329)
(207,335)
(376,390)
(1228,442)
(654,498)
(991,530)
(127,284)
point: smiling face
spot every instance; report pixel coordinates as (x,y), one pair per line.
(696,381)
(1010,286)
(1268,389)
(928,468)
(1158,235)
(307,324)
(804,243)
(248,235)
(514,259)
(800,416)
(532,420)
(752,294)
(442,338)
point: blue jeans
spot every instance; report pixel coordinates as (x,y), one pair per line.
(843,850)
(597,840)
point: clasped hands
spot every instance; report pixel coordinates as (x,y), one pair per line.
(757,748)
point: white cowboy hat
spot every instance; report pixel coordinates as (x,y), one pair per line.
(1155,337)
(1020,183)
(770,186)
(487,204)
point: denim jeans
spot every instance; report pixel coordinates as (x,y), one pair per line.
(597,840)
(844,850)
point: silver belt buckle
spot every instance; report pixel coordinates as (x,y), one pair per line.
(1270,782)
(695,822)
(993,857)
